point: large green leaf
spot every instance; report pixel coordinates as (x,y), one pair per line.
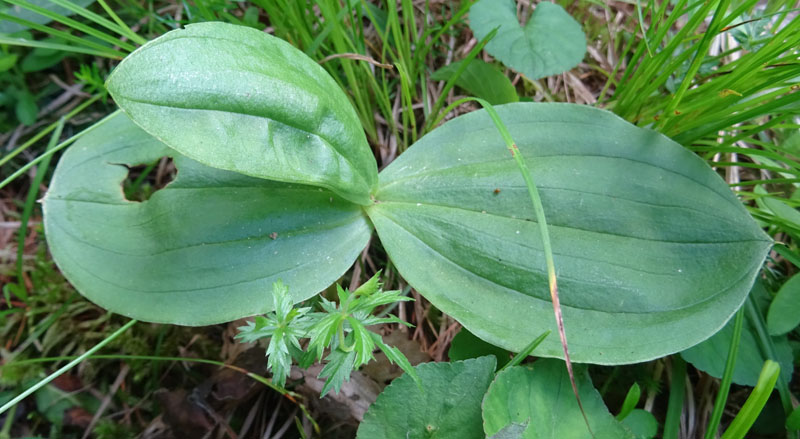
(447,406)
(550,42)
(541,397)
(205,249)
(653,251)
(235,98)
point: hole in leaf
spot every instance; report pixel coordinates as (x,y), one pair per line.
(144,180)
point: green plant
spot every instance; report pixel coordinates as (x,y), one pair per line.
(297,169)
(550,42)
(341,328)
(296,187)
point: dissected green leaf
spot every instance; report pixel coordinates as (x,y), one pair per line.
(710,356)
(482,80)
(284,327)
(542,397)
(550,42)
(205,249)
(238,99)
(466,345)
(448,405)
(337,370)
(654,252)
(784,312)
(8,27)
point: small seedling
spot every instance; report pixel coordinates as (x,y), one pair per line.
(339,329)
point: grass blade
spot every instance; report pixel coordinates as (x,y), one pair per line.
(73,24)
(6,158)
(111,53)
(127,31)
(755,402)
(66,368)
(30,201)
(677,394)
(55,46)
(523,354)
(50,152)
(768,349)
(727,377)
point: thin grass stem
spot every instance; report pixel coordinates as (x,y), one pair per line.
(727,376)
(30,201)
(6,158)
(66,368)
(57,148)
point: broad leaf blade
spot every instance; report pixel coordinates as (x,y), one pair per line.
(447,406)
(551,41)
(238,99)
(205,249)
(540,396)
(654,251)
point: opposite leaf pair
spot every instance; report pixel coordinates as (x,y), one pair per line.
(276,181)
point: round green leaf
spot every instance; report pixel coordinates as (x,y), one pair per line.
(653,251)
(550,42)
(541,397)
(205,249)
(784,312)
(238,99)
(448,407)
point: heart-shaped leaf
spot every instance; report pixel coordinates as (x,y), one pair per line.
(447,406)
(550,42)
(238,99)
(541,397)
(654,253)
(205,249)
